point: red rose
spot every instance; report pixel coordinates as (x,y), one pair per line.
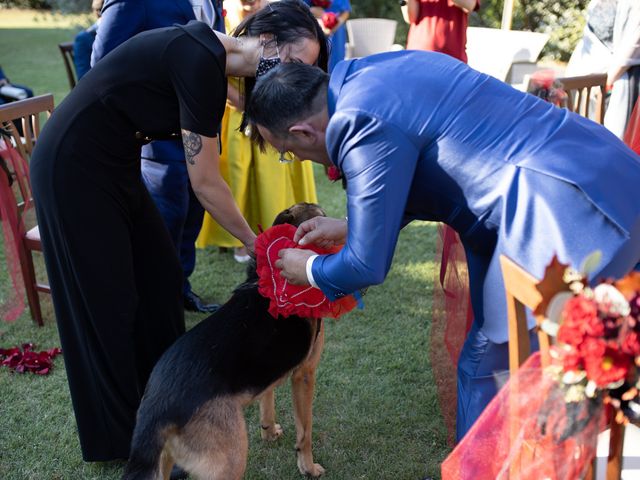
(604,362)
(571,360)
(329,20)
(630,343)
(579,320)
(333,173)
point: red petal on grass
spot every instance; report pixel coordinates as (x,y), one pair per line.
(28,360)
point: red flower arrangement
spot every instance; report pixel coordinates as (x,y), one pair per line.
(329,20)
(598,340)
(25,359)
(543,84)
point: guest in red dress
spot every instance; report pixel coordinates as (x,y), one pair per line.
(440,26)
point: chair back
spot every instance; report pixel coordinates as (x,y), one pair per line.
(370,35)
(66,50)
(586,93)
(521,293)
(25,113)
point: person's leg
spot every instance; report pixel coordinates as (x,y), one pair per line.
(86,235)
(483,368)
(168,184)
(158,279)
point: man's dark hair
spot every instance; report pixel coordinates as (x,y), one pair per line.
(288,93)
(289,21)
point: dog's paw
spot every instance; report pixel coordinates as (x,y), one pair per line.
(316,470)
(272,433)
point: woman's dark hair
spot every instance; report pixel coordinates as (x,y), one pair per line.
(289,21)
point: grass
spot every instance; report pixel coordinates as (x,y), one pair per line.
(375,413)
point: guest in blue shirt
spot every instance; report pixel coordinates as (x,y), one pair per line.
(337,33)
(83,43)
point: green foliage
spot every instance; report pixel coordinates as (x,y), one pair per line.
(32,4)
(63,6)
(71,6)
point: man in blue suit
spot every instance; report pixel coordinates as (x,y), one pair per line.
(164,170)
(420,135)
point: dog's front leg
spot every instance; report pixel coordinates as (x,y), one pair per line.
(303,383)
(270,430)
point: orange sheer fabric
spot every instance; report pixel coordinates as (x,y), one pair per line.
(451,321)
(529,432)
(14,167)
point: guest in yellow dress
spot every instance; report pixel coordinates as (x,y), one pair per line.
(261,185)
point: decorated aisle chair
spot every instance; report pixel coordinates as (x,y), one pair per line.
(16,203)
(545,421)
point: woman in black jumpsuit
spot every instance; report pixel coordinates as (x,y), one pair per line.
(114,272)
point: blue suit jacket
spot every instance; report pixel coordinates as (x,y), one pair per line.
(122,19)
(511,173)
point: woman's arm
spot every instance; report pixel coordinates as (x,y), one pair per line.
(626,51)
(466,5)
(202,157)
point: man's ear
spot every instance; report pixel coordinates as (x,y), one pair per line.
(304,131)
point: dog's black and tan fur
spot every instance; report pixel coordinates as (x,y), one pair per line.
(192,410)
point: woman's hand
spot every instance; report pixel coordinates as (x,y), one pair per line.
(293,265)
(322,231)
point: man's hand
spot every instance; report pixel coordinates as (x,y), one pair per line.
(293,265)
(324,232)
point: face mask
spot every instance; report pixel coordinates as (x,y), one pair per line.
(266,64)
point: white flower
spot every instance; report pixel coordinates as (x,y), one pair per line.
(611,300)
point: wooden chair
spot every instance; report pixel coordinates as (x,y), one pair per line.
(585,93)
(27,113)
(66,50)
(521,293)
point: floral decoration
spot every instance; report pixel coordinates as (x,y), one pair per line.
(329,20)
(25,359)
(333,173)
(543,84)
(597,331)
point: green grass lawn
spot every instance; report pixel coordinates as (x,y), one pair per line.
(375,413)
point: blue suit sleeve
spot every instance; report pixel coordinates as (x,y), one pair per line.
(120,21)
(378,161)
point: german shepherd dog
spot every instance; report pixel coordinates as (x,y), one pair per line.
(191,413)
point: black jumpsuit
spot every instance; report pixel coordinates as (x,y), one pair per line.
(115,276)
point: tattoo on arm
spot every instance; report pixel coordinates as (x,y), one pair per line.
(192,145)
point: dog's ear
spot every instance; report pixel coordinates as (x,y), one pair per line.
(284,217)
